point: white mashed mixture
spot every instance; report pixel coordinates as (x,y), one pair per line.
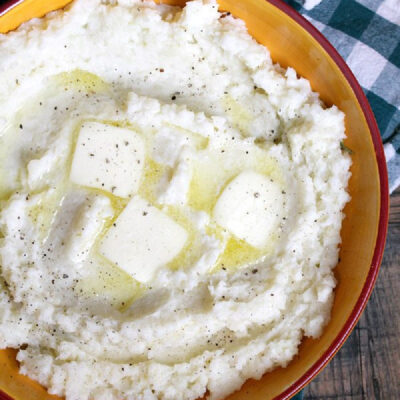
(170,202)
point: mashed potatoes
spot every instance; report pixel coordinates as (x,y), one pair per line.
(170,202)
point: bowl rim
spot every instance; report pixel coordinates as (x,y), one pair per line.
(384,198)
(8,5)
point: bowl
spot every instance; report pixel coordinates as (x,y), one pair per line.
(293,42)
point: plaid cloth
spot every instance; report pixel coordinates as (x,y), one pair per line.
(367,35)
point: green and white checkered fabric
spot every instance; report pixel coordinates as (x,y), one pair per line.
(367,35)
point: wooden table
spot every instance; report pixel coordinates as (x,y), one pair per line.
(368,365)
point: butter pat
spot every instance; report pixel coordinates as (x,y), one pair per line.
(250,208)
(142,240)
(109,158)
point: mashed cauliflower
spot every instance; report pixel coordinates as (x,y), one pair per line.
(171,202)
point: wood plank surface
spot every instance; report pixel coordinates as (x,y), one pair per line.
(368,365)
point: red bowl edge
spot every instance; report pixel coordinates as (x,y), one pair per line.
(7,5)
(384,208)
(4,396)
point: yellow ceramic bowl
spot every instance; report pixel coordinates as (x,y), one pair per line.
(292,42)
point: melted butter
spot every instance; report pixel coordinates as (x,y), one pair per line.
(211,173)
(81,80)
(237,253)
(240,117)
(43,213)
(77,80)
(151,177)
(9,137)
(123,124)
(199,141)
(106,281)
(210,176)
(109,283)
(191,251)
(215,169)
(117,203)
